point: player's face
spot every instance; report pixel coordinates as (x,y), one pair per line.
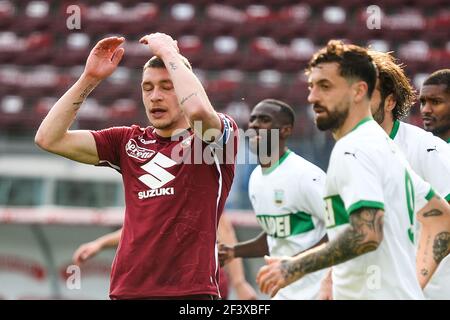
(435,108)
(329,95)
(160,100)
(263,116)
(377,105)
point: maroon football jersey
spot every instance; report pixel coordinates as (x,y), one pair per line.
(173,206)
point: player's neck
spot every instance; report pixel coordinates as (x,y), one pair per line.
(355,116)
(174,129)
(388,124)
(274,157)
(445,136)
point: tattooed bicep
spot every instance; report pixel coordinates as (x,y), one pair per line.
(434,211)
(369,219)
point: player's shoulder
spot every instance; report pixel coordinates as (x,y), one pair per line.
(414,132)
(422,140)
(368,142)
(256,174)
(363,132)
(295,163)
(227,118)
(115,131)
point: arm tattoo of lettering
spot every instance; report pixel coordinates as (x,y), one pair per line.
(188,97)
(173,66)
(84,94)
(353,242)
(432,213)
(441,246)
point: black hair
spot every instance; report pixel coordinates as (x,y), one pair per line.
(438,78)
(354,62)
(286,111)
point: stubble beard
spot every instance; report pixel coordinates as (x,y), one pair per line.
(333,121)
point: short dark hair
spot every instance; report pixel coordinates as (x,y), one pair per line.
(353,61)
(439,77)
(393,80)
(156,62)
(286,111)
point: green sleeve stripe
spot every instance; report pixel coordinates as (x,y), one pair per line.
(365,204)
(447,198)
(430,194)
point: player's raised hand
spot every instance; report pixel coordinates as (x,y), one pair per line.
(160,43)
(86,251)
(226,254)
(104,58)
(274,276)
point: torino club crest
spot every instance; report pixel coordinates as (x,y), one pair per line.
(137,152)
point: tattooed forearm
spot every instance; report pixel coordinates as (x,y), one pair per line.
(173,66)
(77,104)
(432,213)
(364,235)
(84,94)
(86,91)
(441,246)
(188,97)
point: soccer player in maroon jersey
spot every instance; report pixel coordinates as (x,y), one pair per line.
(235,275)
(173,200)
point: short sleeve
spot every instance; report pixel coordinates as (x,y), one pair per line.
(358,179)
(108,142)
(423,191)
(312,188)
(434,163)
(227,145)
(229,131)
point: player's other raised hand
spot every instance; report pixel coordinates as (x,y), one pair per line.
(104,58)
(160,43)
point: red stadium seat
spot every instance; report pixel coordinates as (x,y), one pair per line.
(7,13)
(225,88)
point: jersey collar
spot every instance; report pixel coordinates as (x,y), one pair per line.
(276,165)
(394,129)
(364,120)
(175,137)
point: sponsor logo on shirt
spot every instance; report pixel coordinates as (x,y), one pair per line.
(156,177)
(277,226)
(137,152)
(156,193)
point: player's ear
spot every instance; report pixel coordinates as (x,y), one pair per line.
(285,131)
(389,103)
(360,89)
